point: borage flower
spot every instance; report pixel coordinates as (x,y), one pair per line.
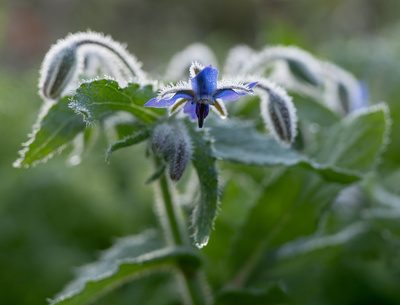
(202,91)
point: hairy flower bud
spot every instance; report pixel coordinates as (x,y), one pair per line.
(278,112)
(58,68)
(182,155)
(171,142)
(162,142)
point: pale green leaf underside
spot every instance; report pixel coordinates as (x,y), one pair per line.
(129,258)
(205,210)
(53,131)
(347,152)
(96,99)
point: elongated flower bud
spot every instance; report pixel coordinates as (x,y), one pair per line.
(182,155)
(58,68)
(278,112)
(171,142)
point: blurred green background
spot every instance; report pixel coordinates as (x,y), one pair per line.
(55,217)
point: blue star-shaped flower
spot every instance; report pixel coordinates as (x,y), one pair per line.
(202,91)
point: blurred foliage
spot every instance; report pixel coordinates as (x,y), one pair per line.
(54,217)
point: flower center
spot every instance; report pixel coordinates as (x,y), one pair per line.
(202,112)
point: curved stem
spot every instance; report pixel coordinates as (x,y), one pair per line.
(172,222)
(128,65)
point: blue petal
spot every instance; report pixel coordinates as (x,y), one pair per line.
(190,110)
(252,85)
(205,82)
(362,97)
(156,103)
(228,94)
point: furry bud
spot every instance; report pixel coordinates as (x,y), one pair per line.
(171,142)
(58,68)
(278,112)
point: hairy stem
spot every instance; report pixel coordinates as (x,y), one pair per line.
(124,60)
(196,289)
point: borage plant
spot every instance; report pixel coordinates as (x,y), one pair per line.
(270,215)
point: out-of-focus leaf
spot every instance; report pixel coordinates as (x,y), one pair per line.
(205,210)
(348,150)
(355,144)
(98,98)
(127,259)
(385,209)
(239,192)
(56,127)
(301,71)
(289,207)
(271,296)
(310,110)
(127,141)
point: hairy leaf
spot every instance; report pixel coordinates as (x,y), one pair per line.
(126,260)
(98,98)
(349,150)
(205,210)
(56,127)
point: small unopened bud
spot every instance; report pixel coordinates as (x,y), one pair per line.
(171,142)
(58,69)
(278,112)
(303,71)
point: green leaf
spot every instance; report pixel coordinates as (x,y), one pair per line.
(348,150)
(98,98)
(310,110)
(356,142)
(127,259)
(136,138)
(385,205)
(205,210)
(273,295)
(288,208)
(56,127)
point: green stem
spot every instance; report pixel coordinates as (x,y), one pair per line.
(172,222)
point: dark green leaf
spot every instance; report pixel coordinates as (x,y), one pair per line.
(301,71)
(205,210)
(273,295)
(289,207)
(127,141)
(55,128)
(98,98)
(127,259)
(157,174)
(385,205)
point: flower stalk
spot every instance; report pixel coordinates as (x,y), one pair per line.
(196,289)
